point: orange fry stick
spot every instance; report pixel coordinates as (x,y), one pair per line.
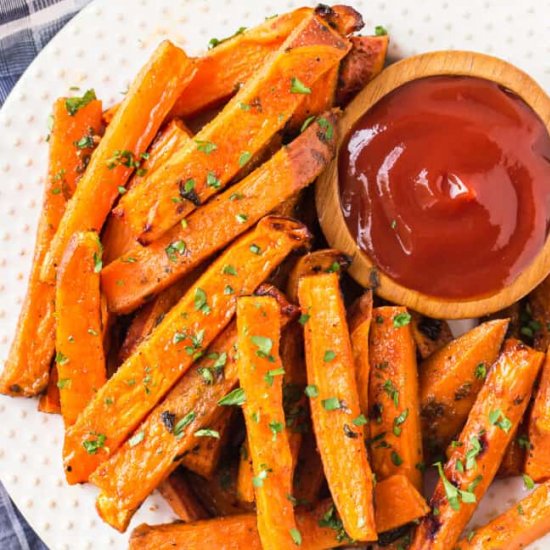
(71,142)
(537,464)
(151,96)
(334,403)
(474,461)
(519,526)
(261,378)
(80,358)
(395,434)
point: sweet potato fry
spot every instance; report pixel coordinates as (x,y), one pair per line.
(80,358)
(245,475)
(147,270)
(232,61)
(295,404)
(334,403)
(397,502)
(320,527)
(260,371)
(190,406)
(179,495)
(136,123)
(360,318)
(537,464)
(227,143)
(475,459)
(512,314)
(117,238)
(519,526)
(395,437)
(364,61)
(451,378)
(205,456)
(539,307)
(429,334)
(139,383)
(72,140)
(321,261)
(49,400)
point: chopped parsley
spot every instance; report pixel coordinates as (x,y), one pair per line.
(481,371)
(497,418)
(244,158)
(255,249)
(269,376)
(264,346)
(298,87)
(379,30)
(92,446)
(213,42)
(311,390)
(528,481)
(175,248)
(296,536)
(307,122)
(205,146)
(182,423)
(401,319)
(329,356)
(136,439)
(304,318)
(328,129)
(234,398)
(200,300)
(64,383)
(391,391)
(207,432)
(229,270)
(360,420)
(74,104)
(276,428)
(213,181)
(61,359)
(331,404)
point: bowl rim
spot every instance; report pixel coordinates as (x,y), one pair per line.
(333,224)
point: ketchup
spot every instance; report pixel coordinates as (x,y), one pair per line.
(445,183)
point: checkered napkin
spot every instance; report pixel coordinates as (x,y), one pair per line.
(26,26)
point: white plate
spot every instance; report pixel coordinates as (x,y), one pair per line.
(103,47)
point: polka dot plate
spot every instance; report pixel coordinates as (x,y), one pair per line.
(103,47)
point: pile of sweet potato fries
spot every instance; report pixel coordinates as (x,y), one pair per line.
(179,322)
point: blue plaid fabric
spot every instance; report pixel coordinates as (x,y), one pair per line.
(26,26)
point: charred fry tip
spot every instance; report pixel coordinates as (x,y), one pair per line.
(334,17)
(295,229)
(287,309)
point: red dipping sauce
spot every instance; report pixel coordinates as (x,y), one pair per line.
(445,183)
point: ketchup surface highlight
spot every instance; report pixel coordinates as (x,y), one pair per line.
(445,183)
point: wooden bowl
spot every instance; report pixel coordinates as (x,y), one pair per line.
(327,194)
